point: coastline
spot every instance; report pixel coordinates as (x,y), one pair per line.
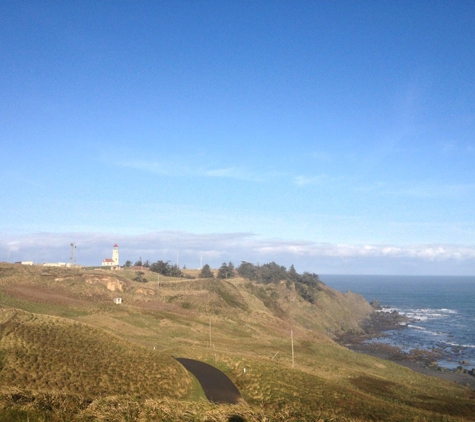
(422,361)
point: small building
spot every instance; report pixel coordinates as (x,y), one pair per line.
(26,262)
(112,263)
(117,300)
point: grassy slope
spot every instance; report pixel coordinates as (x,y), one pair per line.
(64,343)
(47,353)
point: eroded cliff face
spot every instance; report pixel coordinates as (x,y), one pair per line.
(357,305)
(319,309)
(331,311)
(110,282)
(61,286)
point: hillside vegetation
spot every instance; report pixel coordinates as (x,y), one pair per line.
(68,353)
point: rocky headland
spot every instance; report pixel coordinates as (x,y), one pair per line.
(424,361)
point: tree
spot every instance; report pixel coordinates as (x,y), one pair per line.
(248,270)
(292,274)
(139,276)
(305,291)
(226,270)
(175,271)
(138,263)
(161,267)
(310,279)
(272,273)
(128,264)
(165,268)
(146,263)
(206,272)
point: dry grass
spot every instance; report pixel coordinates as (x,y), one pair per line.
(44,353)
(67,353)
(57,407)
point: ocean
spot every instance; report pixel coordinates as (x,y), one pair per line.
(440,312)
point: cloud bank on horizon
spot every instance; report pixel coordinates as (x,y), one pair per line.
(192,250)
(335,136)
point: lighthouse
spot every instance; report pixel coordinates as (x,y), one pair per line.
(113,262)
(115,254)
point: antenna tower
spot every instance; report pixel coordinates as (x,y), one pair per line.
(73,254)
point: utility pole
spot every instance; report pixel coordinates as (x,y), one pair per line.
(210,332)
(292,340)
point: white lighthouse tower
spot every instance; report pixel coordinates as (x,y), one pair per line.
(115,254)
(113,262)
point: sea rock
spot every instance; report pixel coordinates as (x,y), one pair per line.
(375,304)
(461,370)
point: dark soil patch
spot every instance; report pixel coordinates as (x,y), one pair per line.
(373,385)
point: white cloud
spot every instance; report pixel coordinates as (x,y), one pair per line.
(180,168)
(433,190)
(237,173)
(154,167)
(311,180)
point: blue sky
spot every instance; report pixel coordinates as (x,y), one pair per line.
(335,135)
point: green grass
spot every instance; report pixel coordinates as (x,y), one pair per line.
(41,308)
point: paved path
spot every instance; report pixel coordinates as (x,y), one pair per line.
(216,385)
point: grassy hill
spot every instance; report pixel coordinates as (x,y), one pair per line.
(68,353)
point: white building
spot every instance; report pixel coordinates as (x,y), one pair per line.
(56,264)
(112,263)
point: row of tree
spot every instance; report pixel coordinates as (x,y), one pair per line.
(306,284)
(274,273)
(138,263)
(266,273)
(225,271)
(166,268)
(160,267)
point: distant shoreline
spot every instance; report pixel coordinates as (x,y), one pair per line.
(418,360)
